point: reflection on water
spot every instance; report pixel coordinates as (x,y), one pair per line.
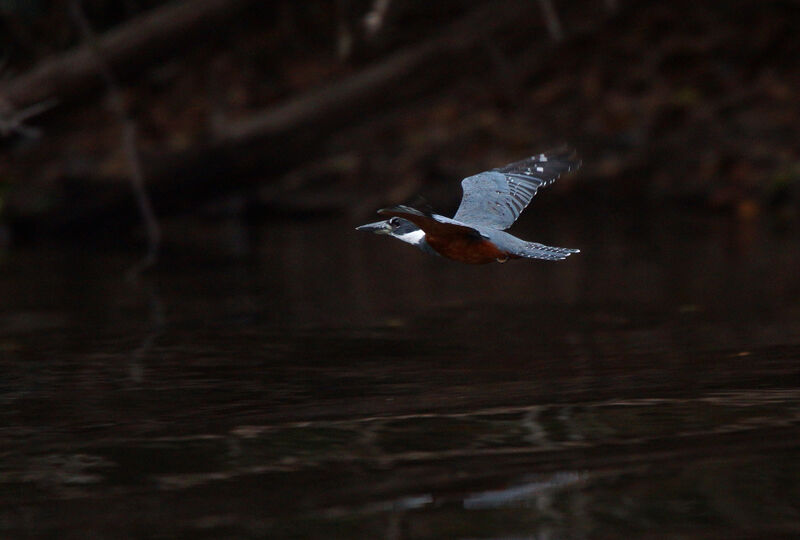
(327,384)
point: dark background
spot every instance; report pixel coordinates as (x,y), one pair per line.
(294,109)
(276,374)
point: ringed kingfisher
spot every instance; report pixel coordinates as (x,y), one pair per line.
(492,201)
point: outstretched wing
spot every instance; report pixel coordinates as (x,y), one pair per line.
(496,198)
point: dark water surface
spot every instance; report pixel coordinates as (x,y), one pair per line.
(294,381)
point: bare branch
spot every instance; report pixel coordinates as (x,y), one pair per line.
(13,120)
(128,142)
(376,17)
(552,20)
(130,44)
(344,33)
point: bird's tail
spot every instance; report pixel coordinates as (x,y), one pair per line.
(532,250)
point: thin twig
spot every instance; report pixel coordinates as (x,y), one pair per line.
(552,20)
(376,17)
(128,141)
(13,120)
(344,34)
(157,324)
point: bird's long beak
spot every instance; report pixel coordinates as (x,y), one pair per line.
(379,227)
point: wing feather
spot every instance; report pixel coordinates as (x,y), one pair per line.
(496,198)
(533,250)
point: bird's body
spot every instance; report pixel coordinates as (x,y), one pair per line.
(492,201)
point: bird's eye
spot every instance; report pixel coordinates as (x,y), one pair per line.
(394,222)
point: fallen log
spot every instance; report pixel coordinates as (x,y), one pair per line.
(379,84)
(132,43)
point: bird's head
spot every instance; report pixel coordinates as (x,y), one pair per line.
(399,228)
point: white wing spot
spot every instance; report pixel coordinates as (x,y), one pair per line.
(542,157)
(540,169)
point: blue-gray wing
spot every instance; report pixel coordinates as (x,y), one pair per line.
(496,198)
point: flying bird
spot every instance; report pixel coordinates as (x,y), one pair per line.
(492,201)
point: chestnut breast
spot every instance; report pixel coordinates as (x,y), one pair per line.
(466,248)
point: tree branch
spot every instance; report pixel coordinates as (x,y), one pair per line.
(76,71)
(128,142)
